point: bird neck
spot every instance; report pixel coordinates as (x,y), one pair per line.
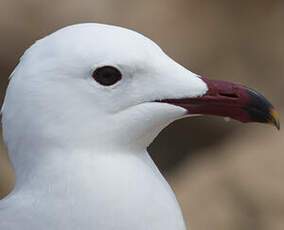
(79,183)
(75,171)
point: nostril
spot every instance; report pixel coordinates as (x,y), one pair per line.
(231,95)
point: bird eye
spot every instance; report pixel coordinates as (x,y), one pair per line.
(107,75)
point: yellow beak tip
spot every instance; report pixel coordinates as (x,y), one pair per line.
(274,118)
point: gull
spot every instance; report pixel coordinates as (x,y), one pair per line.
(80,110)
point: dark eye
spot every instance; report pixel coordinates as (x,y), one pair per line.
(107,75)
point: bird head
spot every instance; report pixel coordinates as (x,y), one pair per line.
(105,86)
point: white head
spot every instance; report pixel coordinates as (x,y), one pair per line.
(54,100)
(96,87)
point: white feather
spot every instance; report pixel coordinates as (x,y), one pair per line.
(78,148)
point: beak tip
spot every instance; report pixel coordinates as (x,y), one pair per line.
(274,118)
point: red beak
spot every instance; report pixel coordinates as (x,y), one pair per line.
(230,100)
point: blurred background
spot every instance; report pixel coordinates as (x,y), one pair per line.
(226,175)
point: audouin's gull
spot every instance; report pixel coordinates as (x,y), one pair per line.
(81,108)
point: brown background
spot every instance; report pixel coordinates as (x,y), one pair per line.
(226,175)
